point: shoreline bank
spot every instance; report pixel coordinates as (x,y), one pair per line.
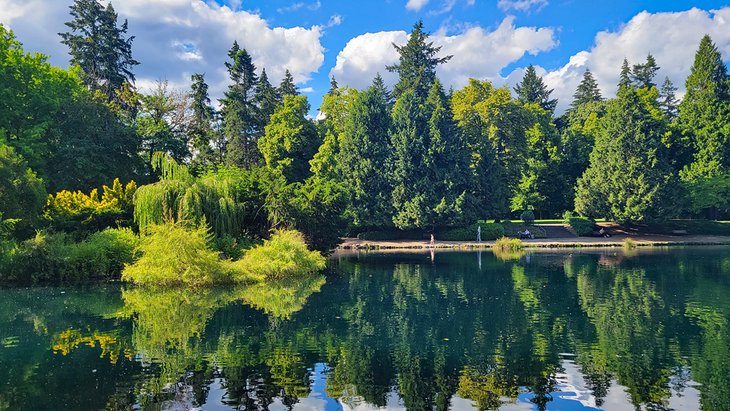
(578,242)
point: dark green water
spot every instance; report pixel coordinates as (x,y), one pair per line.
(559,331)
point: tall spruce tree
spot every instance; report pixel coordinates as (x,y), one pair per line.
(266,99)
(629,178)
(364,157)
(704,114)
(447,162)
(412,190)
(643,75)
(587,91)
(625,76)
(417,63)
(240,117)
(200,127)
(668,99)
(532,90)
(287,86)
(100,48)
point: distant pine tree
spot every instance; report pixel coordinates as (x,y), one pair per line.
(587,91)
(532,90)
(287,86)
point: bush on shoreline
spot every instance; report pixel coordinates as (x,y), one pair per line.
(54,257)
(582,226)
(172,254)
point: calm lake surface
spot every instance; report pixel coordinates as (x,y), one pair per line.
(568,330)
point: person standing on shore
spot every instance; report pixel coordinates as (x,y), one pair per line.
(433,240)
(479,234)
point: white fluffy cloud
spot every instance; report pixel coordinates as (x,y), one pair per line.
(175,38)
(416,5)
(672,38)
(477,52)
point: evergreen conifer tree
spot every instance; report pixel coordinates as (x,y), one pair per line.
(668,99)
(287,86)
(100,48)
(587,91)
(625,77)
(417,63)
(532,90)
(364,157)
(266,99)
(629,178)
(704,113)
(643,74)
(240,117)
(200,126)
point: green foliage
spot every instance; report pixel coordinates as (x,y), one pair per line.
(532,90)
(709,194)
(508,244)
(290,140)
(99,47)
(284,255)
(704,114)
(629,244)
(241,123)
(493,130)
(171,254)
(21,191)
(630,178)
(582,226)
(364,154)
(318,211)
(87,213)
(417,63)
(68,135)
(161,123)
(229,200)
(489,232)
(55,258)
(587,91)
(528,217)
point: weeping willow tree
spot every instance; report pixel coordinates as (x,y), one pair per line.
(229,200)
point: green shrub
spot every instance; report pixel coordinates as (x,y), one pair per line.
(81,214)
(582,226)
(629,244)
(490,231)
(54,257)
(171,254)
(567,216)
(528,217)
(284,255)
(508,244)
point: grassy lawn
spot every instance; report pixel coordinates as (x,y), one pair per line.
(561,221)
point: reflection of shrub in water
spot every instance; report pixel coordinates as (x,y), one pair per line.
(284,297)
(508,255)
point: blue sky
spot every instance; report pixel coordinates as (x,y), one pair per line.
(491,40)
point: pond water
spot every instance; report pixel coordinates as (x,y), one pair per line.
(568,330)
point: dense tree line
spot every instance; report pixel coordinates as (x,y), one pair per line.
(414,157)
